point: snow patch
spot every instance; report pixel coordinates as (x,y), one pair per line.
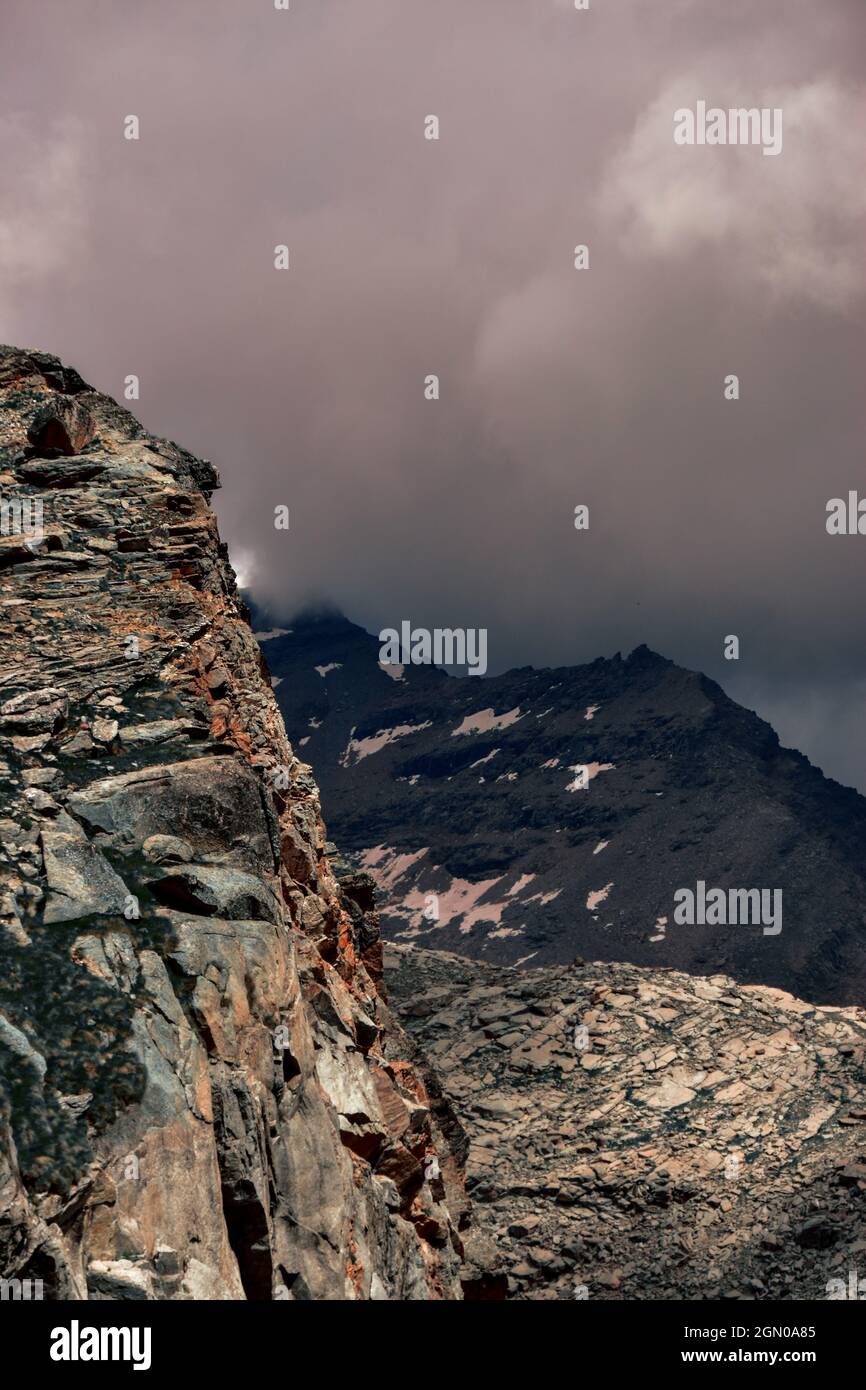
(593,899)
(458,903)
(386,866)
(358,748)
(393,669)
(332,666)
(591,770)
(460,899)
(591,711)
(486,759)
(522,882)
(545,898)
(271,633)
(602,844)
(661,924)
(485,720)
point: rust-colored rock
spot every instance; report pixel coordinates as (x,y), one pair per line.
(200,1085)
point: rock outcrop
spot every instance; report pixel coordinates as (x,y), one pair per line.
(637,1134)
(202,1092)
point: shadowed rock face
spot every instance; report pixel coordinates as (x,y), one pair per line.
(202,1093)
(638,1134)
(463,798)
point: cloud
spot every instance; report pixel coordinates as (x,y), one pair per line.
(559,387)
(43,213)
(792,226)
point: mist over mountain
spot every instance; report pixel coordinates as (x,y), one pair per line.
(558,386)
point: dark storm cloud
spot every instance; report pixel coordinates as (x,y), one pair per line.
(455,257)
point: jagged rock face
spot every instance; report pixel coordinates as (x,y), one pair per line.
(202,1093)
(697,1140)
(462,797)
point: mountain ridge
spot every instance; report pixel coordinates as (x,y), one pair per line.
(478,808)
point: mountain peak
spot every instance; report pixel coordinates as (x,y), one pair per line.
(559,812)
(645,656)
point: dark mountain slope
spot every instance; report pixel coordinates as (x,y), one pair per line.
(460,797)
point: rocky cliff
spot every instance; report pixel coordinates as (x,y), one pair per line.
(202,1093)
(644,1134)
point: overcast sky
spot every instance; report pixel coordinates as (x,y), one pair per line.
(409,257)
